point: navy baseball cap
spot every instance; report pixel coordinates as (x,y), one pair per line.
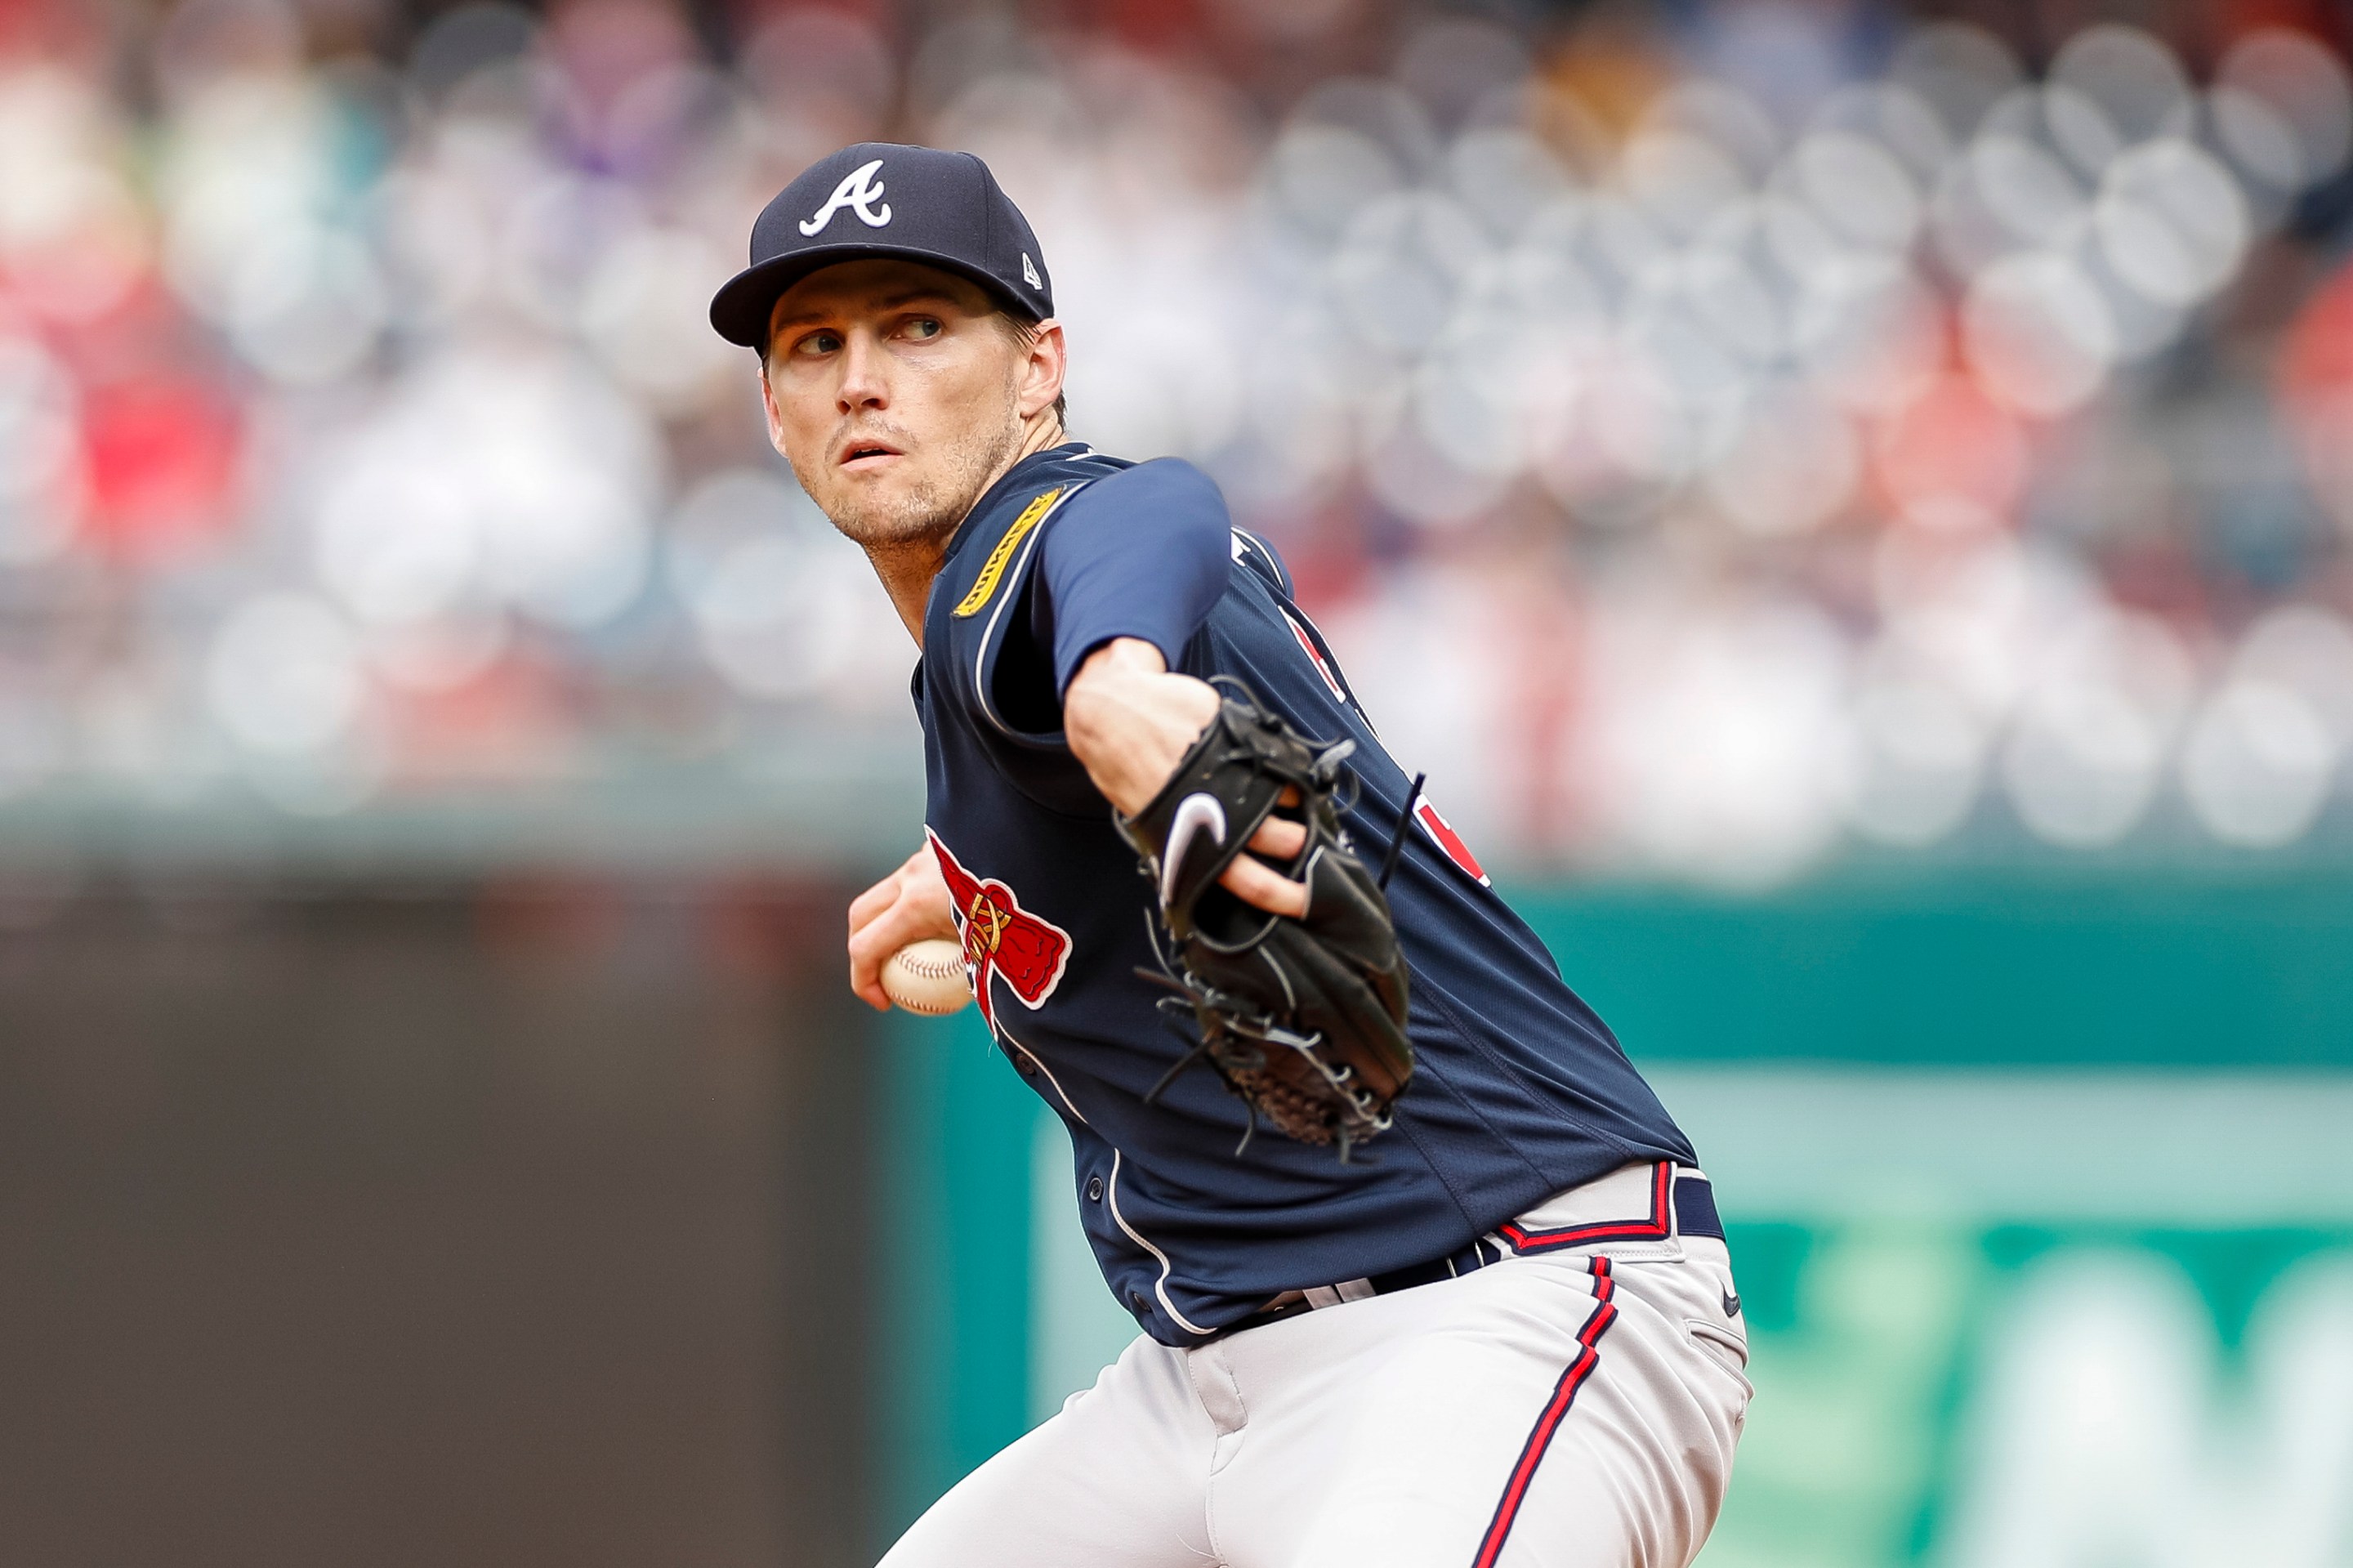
(879,198)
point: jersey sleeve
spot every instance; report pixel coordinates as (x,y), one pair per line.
(1144,554)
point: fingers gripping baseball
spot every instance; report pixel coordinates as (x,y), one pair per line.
(908,906)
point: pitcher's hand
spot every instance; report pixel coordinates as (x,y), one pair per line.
(1131,720)
(907,905)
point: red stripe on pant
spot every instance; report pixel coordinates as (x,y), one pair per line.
(1555,1410)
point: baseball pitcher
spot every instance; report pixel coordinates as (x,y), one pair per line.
(1426,1276)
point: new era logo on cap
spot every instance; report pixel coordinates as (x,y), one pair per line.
(878,198)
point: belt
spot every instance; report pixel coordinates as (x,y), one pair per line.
(1675,1202)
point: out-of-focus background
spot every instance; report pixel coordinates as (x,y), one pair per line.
(1848,499)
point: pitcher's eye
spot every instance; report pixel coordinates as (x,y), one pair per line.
(818,343)
(921,327)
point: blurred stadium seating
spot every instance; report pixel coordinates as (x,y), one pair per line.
(1719,437)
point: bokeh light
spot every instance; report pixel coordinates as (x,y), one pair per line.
(1895,447)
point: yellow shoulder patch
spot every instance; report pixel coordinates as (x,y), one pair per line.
(992,570)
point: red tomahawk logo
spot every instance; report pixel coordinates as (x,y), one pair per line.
(1442,832)
(1001,938)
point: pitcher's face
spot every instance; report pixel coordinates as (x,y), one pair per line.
(895,391)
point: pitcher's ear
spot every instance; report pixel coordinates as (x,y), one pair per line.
(1048,364)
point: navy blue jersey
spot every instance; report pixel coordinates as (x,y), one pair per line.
(1519,1090)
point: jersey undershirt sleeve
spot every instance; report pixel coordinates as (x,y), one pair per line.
(1144,554)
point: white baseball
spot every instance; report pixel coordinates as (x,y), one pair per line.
(927,977)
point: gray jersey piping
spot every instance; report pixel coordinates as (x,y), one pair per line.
(1160,1285)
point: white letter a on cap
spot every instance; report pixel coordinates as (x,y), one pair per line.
(858,194)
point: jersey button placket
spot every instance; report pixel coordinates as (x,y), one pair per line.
(1094,1189)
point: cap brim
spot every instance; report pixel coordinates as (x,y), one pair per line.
(741,309)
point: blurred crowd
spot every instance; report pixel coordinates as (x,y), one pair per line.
(1716,436)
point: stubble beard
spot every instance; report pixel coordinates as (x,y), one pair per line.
(927,508)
